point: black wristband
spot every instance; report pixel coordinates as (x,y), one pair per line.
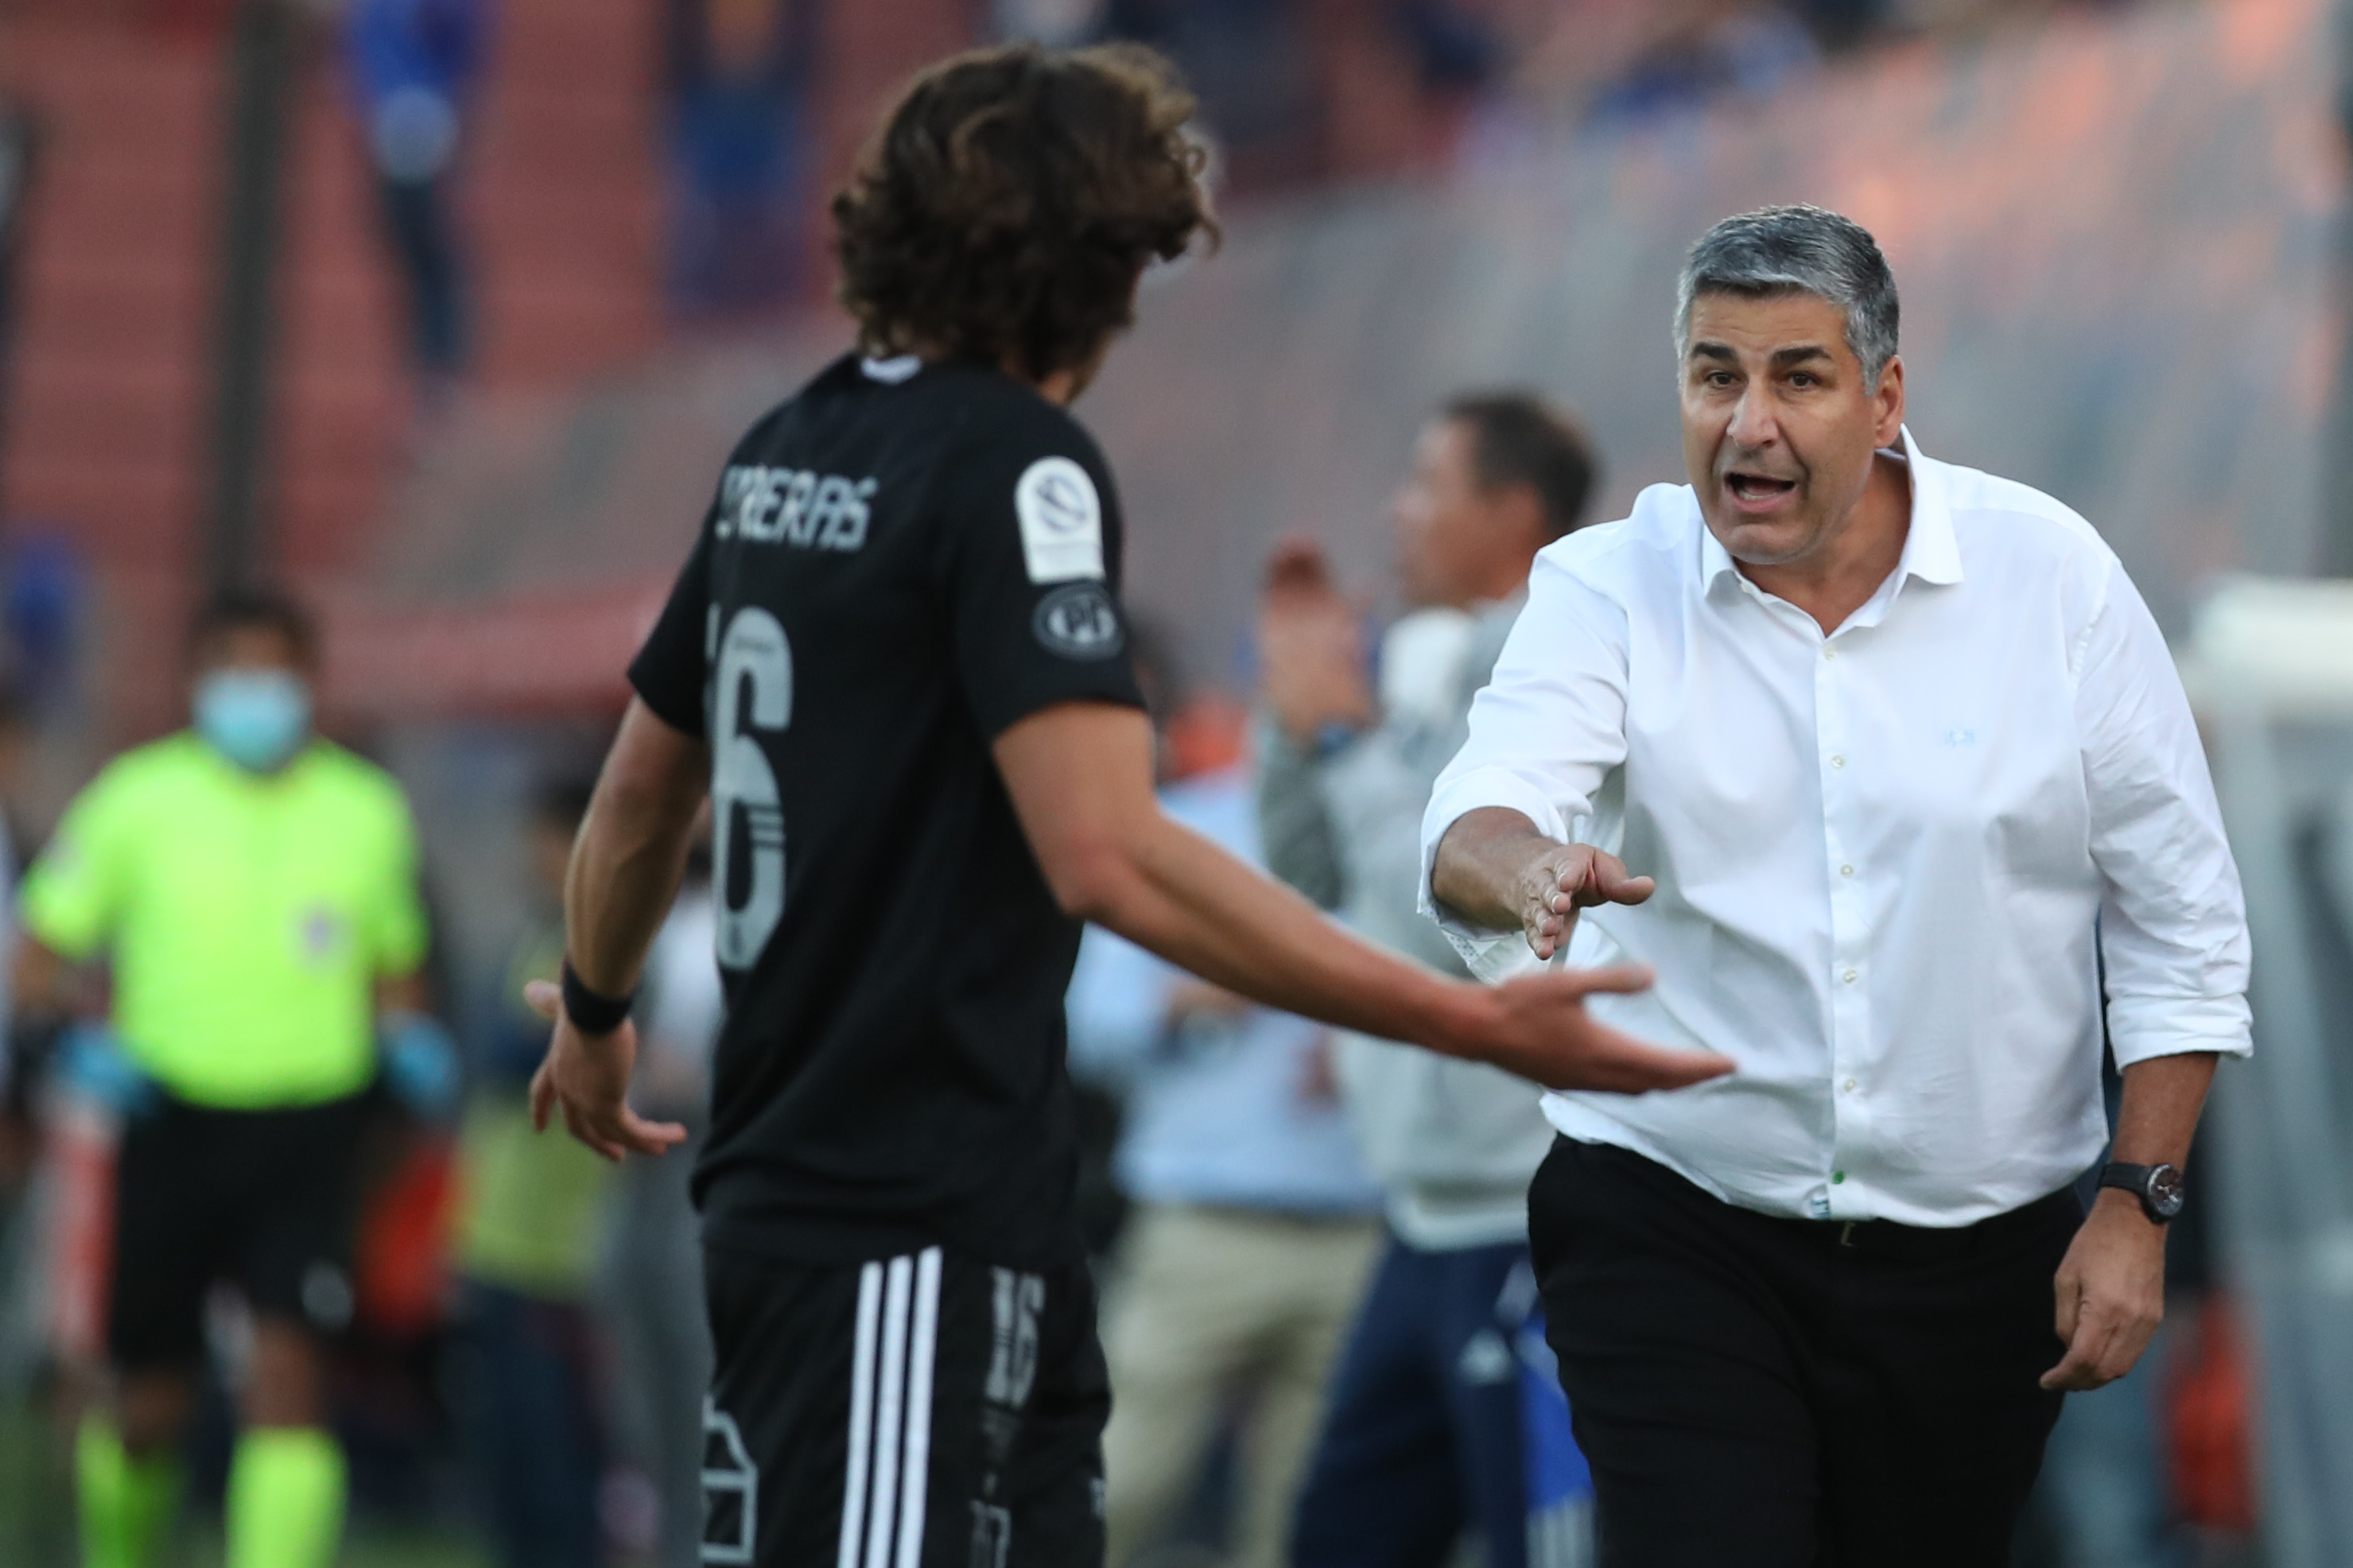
(590,1013)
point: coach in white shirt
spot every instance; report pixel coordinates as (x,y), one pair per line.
(1899,758)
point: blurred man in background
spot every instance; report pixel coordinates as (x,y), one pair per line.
(1254,1228)
(661,1340)
(530,1218)
(252,889)
(1425,1433)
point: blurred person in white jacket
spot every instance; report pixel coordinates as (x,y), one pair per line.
(1424,1437)
(654,1258)
(1255,1224)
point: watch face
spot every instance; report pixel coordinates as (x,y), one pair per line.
(2165,1191)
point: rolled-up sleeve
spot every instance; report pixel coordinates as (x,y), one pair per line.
(2173,922)
(1544,732)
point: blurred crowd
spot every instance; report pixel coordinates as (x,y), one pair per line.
(1285,87)
(1286,84)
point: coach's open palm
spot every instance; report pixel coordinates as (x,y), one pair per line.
(1541,1031)
(588,1076)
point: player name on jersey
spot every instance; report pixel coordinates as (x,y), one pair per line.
(798,506)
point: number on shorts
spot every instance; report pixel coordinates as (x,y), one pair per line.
(756,653)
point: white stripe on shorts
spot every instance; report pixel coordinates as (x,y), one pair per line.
(861,1414)
(888,1473)
(915,1485)
(898,1282)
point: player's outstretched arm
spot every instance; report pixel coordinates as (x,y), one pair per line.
(1080,777)
(625,867)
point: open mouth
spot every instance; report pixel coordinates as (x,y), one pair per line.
(1757,490)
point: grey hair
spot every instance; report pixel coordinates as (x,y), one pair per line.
(1798,250)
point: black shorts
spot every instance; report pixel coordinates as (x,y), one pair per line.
(930,1411)
(262,1199)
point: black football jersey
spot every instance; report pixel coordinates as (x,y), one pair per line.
(902,561)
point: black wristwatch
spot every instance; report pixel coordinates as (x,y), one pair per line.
(2158,1187)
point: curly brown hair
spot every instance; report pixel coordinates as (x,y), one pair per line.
(1007,206)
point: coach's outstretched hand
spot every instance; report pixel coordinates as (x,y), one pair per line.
(1537,1027)
(588,1076)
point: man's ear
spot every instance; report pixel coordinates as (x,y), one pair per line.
(1889,395)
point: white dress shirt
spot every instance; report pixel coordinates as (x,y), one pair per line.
(1884,856)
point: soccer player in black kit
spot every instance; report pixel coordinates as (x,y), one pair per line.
(896,660)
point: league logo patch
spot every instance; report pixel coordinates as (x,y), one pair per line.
(1061,521)
(1079,622)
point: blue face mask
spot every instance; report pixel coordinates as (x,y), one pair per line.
(257,719)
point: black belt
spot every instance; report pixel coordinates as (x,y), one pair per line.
(1886,1238)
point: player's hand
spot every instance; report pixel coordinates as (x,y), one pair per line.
(588,1077)
(1537,1027)
(1563,878)
(2111,1294)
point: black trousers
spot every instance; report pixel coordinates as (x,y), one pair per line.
(1764,1392)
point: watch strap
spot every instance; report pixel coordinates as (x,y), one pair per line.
(2137,1180)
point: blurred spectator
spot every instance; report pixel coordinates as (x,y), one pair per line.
(46,584)
(739,74)
(1840,25)
(531,1210)
(1056,23)
(21,1059)
(1426,1434)
(15,740)
(1703,49)
(252,889)
(411,62)
(1253,63)
(15,185)
(1292,90)
(654,1263)
(1254,1228)
(1624,61)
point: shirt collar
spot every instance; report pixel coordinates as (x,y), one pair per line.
(1930,551)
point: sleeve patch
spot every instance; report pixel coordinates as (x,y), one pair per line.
(1079,622)
(1061,521)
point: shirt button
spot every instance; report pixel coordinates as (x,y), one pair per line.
(1837,761)
(1848,1086)
(1851,976)
(1828,652)
(1837,1176)
(1846,870)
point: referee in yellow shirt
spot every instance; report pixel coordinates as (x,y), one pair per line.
(252,890)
